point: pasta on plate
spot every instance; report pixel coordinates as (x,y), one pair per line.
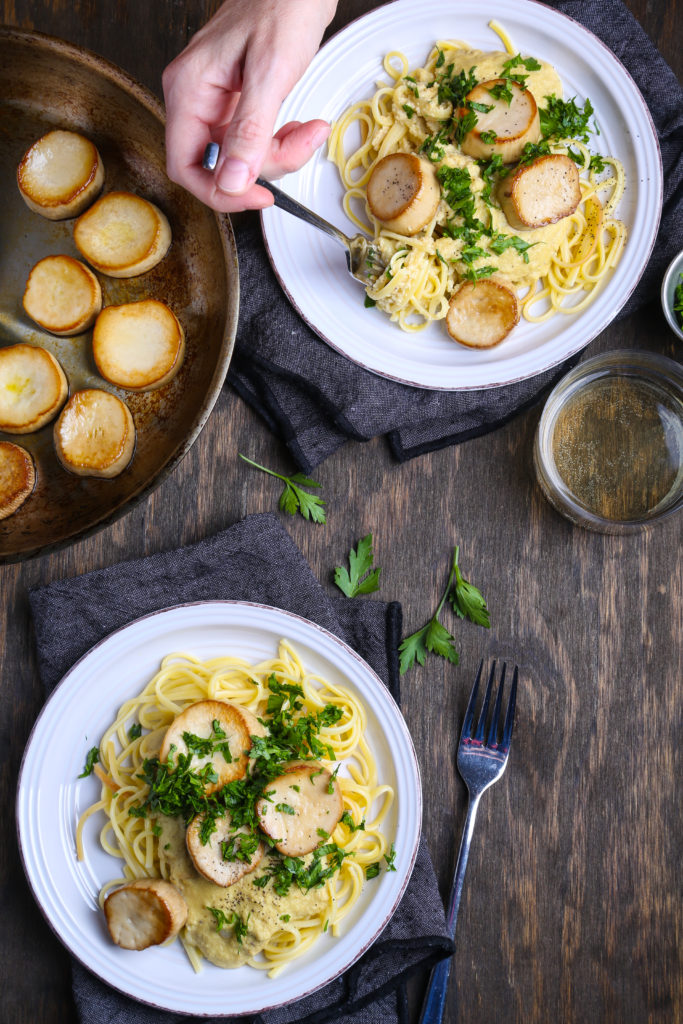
(431,111)
(276,911)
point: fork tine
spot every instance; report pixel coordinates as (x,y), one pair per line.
(481,724)
(510,716)
(469,714)
(493,728)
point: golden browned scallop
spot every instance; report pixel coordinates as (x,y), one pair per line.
(298,805)
(17,477)
(144,913)
(139,345)
(505,129)
(123,235)
(62,295)
(218,721)
(60,175)
(33,388)
(482,313)
(95,434)
(209,859)
(403,192)
(540,193)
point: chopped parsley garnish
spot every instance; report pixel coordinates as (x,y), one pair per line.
(285,917)
(135,731)
(433,145)
(242,847)
(233,920)
(390,858)
(678,301)
(206,746)
(285,808)
(372,870)
(347,820)
(563,119)
(91,759)
(502,91)
(488,137)
(477,274)
(408,110)
(499,243)
(597,163)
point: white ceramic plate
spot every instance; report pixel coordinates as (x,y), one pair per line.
(51,798)
(311,267)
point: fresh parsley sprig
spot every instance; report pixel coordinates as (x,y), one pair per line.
(361,578)
(467,602)
(294,498)
(224,920)
(432,637)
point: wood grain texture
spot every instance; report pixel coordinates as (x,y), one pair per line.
(572,902)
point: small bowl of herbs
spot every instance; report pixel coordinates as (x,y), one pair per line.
(672,295)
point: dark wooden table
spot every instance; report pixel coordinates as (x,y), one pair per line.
(576,913)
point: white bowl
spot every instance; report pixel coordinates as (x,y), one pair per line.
(671,279)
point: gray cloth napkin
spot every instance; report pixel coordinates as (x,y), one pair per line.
(255,560)
(315,400)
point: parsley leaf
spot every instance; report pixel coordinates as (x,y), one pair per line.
(372,870)
(563,119)
(466,599)
(293,498)
(135,731)
(501,91)
(488,137)
(224,920)
(500,243)
(362,578)
(347,819)
(368,302)
(408,110)
(678,300)
(92,758)
(390,858)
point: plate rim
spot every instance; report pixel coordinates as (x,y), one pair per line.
(399,719)
(609,314)
(124,80)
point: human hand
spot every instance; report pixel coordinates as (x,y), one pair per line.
(227,87)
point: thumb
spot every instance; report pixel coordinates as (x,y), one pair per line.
(248,137)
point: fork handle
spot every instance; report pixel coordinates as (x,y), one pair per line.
(435,997)
(289,205)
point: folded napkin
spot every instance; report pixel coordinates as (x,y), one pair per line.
(315,399)
(255,560)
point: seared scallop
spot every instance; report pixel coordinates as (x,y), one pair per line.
(60,175)
(123,235)
(144,913)
(540,193)
(139,345)
(298,806)
(17,477)
(62,295)
(33,388)
(213,858)
(403,193)
(95,434)
(482,313)
(221,734)
(505,129)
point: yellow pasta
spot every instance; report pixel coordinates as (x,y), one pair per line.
(417,275)
(183,680)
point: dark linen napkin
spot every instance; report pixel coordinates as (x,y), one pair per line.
(255,560)
(315,400)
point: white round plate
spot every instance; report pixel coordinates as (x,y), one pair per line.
(311,267)
(51,798)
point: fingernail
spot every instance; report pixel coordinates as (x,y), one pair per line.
(234,176)
(319,136)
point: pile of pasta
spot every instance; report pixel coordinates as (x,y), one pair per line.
(183,680)
(416,282)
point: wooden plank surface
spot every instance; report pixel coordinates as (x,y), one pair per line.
(572,908)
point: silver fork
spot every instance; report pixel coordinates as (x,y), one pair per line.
(480,765)
(363,259)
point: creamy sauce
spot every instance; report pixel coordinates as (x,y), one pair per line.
(261,909)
